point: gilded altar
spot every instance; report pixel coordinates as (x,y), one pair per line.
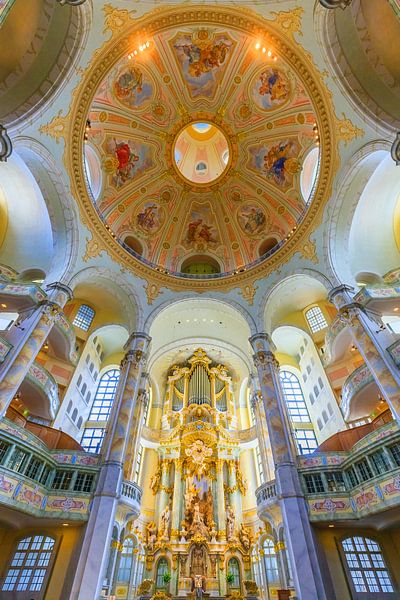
(196,530)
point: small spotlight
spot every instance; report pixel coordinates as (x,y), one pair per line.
(5,306)
(147,44)
(264,50)
(269,53)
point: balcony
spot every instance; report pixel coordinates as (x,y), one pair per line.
(55,484)
(335,343)
(348,486)
(359,393)
(131,497)
(5,347)
(266,497)
(63,339)
(40,393)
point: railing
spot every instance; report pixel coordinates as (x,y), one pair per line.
(41,482)
(41,378)
(356,381)
(357,483)
(265,496)
(131,496)
(394,351)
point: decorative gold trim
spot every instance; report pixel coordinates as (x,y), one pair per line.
(276,30)
(347,131)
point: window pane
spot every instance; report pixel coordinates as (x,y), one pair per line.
(104,397)
(84,317)
(33,553)
(92,439)
(293,393)
(316,319)
(367,566)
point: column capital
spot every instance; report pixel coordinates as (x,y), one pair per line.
(263,359)
(341,295)
(256,398)
(138,339)
(262,341)
(59,292)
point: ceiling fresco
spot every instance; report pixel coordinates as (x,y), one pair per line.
(250,197)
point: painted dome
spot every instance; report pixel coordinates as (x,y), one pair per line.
(198,148)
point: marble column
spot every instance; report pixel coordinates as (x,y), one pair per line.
(263,442)
(91,562)
(136,429)
(307,574)
(176,500)
(221,500)
(46,315)
(164,488)
(361,329)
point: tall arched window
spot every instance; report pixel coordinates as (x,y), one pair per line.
(162,568)
(29,565)
(125,561)
(104,397)
(92,437)
(84,317)
(233,568)
(315,319)
(298,413)
(295,403)
(270,562)
(367,568)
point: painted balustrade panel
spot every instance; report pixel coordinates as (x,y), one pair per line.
(5,347)
(65,327)
(333,331)
(40,377)
(19,289)
(394,351)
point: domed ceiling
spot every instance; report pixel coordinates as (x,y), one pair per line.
(199,148)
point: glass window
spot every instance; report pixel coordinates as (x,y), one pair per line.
(35,553)
(363,470)
(380,462)
(162,567)
(314,483)
(104,397)
(270,562)
(84,317)
(62,480)
(138,463)
(316,319)
(295,403)
(92,439)
(395,452)
(306,440)
(84,482)
(18,460)
(32,470)
(366,565)
(351,474)
(3,449)
(335,481)
(233,568)
(260,465)
(125,562)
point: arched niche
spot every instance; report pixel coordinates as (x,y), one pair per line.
(200,265)
(134,244)
(267,245)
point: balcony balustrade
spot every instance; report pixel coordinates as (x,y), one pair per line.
(45,383)
(359,379)
(394,351)
(265,496)
(131,497)
(46,483)
(343,486)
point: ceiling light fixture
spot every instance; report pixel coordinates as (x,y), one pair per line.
(141,48)
(266,51)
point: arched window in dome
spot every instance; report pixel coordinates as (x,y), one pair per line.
(315,319)
(200,265)
(134,244)
(270,562)
(234,569)
(368,573)
(93,171)
(308,174)
(84,317)
(201,168)
(30,565)
(125,561)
